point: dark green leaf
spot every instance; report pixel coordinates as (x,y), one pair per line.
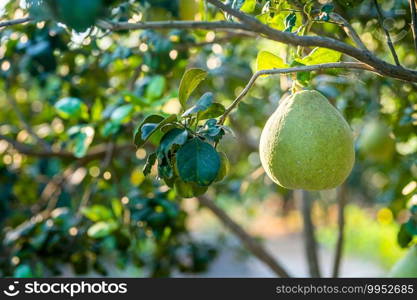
(404,237)
(149,163)
(176,136)
(290,22)
(198,162)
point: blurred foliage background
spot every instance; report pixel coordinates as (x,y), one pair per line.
(69,87)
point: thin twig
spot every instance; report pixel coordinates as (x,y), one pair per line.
(220,25)
(310,243)
(342,200)
(414,20)
(15,22)
(96,152)
(255,76)
(254,247)
(350,31)
(389,41)
(252,25)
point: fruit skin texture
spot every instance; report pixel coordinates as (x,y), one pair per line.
(407,266)
(307,144)
(375,141)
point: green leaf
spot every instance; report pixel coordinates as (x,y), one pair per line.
(110,128)
(155,87)
(151,119)
(320,56)
(121,114)
(96,111)
(23,271)
(145,131)
(266,60)
(198,162)
(248,6)
(304,77)
(278,20)
(83,137)
(176,136)
(165,169)
(190,80)
(149,163)
(70,107)
(117,207)
(290,22)
(215,110)
(189,189)
(97,213)
(102,229)
(202,104)
(404,237)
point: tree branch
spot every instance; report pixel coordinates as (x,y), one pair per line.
(389,41)
(310,243)
(342,200)
(348,29)
(414,20)
(95,152)
(254,247)
(14,22)
(255,76)
(366,57)
(220,25)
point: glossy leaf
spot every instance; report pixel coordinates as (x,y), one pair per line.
(198,162)
(267,60)
(202,104)
(190,80)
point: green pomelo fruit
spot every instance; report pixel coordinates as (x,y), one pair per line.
(375,141)
(307,144)
(407,266)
